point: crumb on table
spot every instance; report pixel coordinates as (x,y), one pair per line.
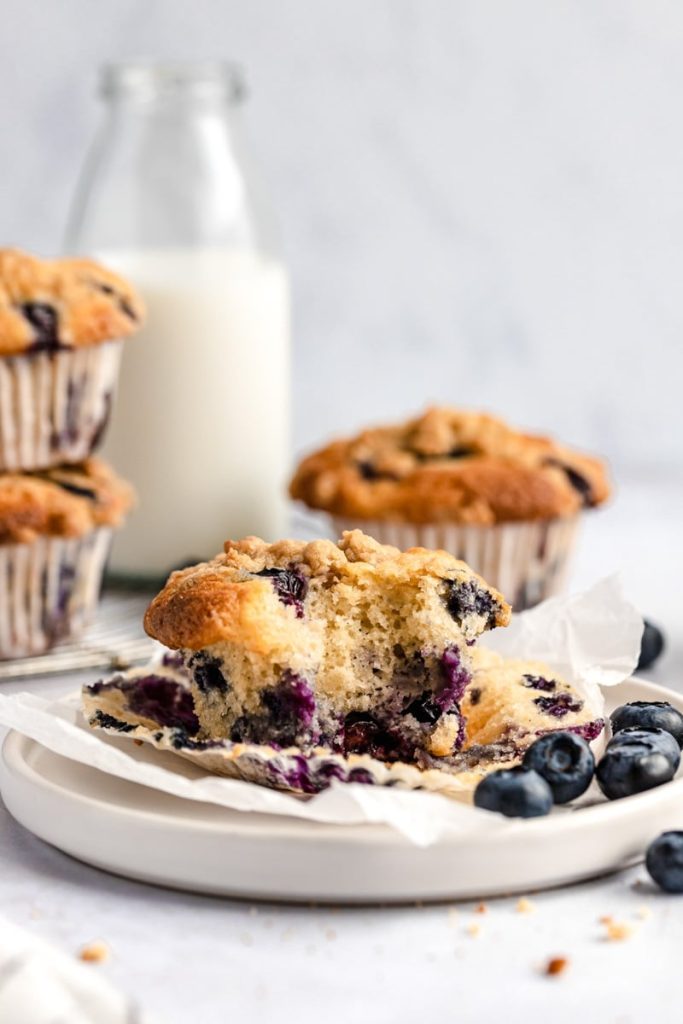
(524,906)
(94,953)
(556,965)
(617,931)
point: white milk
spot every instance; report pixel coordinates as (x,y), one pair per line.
(201,419)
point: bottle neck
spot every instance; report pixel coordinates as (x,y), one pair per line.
(173,82)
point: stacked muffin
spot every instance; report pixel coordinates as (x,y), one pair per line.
(61,328)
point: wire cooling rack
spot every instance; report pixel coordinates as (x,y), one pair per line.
(115,640)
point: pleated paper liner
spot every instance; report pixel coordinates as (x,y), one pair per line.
(54,406)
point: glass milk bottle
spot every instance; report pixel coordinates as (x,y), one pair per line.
(200,422)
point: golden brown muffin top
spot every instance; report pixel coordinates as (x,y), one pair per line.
(229,598)
(48,305)
(66,501)
(449,465)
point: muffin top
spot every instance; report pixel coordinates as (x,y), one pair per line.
(450,465)
(49,305)
(510,702)
(254,593)
(66,501)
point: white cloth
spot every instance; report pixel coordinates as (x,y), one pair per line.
(40,984)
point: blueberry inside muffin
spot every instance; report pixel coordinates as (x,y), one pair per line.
(355,647)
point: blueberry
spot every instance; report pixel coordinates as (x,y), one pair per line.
(207,673)
(456,678)
(651,645)
(515,792)
(539,683)
(290,706)
(465,599)
(44,320)
(653,739)
(362,734)
(633,767)
(290,586)
(642,714)
(566,763)
(559,705)
(577,480)
(424,708)
(664,861)
(164,702)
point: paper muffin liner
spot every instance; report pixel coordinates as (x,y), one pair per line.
(54,406)
(527,562)
(49,590)
(153,704)
(293,770)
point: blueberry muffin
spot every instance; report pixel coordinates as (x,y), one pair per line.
(505,501)
(61,325)
(507,705)
(355,647)
(55,532)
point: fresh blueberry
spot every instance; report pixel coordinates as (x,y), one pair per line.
(566,763)
(664,861)
(651,645)
(654,739)
(633,767)
(642,714)
(515,792)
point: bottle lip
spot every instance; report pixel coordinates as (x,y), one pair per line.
(149,79)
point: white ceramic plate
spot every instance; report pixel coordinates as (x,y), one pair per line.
(154,837)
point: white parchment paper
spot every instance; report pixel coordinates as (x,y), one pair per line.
(592,639)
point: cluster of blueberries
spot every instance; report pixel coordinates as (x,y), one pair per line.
(644,752)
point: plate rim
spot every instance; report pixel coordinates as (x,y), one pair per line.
(14,760)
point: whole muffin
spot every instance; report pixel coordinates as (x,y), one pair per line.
(55,532)
(61,325)
(506,502)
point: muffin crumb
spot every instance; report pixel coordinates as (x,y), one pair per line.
(617,931)
(556,965)
(524,906)
(95,953)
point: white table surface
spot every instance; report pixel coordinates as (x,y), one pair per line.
(194,958)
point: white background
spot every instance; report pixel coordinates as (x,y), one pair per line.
(481,200)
